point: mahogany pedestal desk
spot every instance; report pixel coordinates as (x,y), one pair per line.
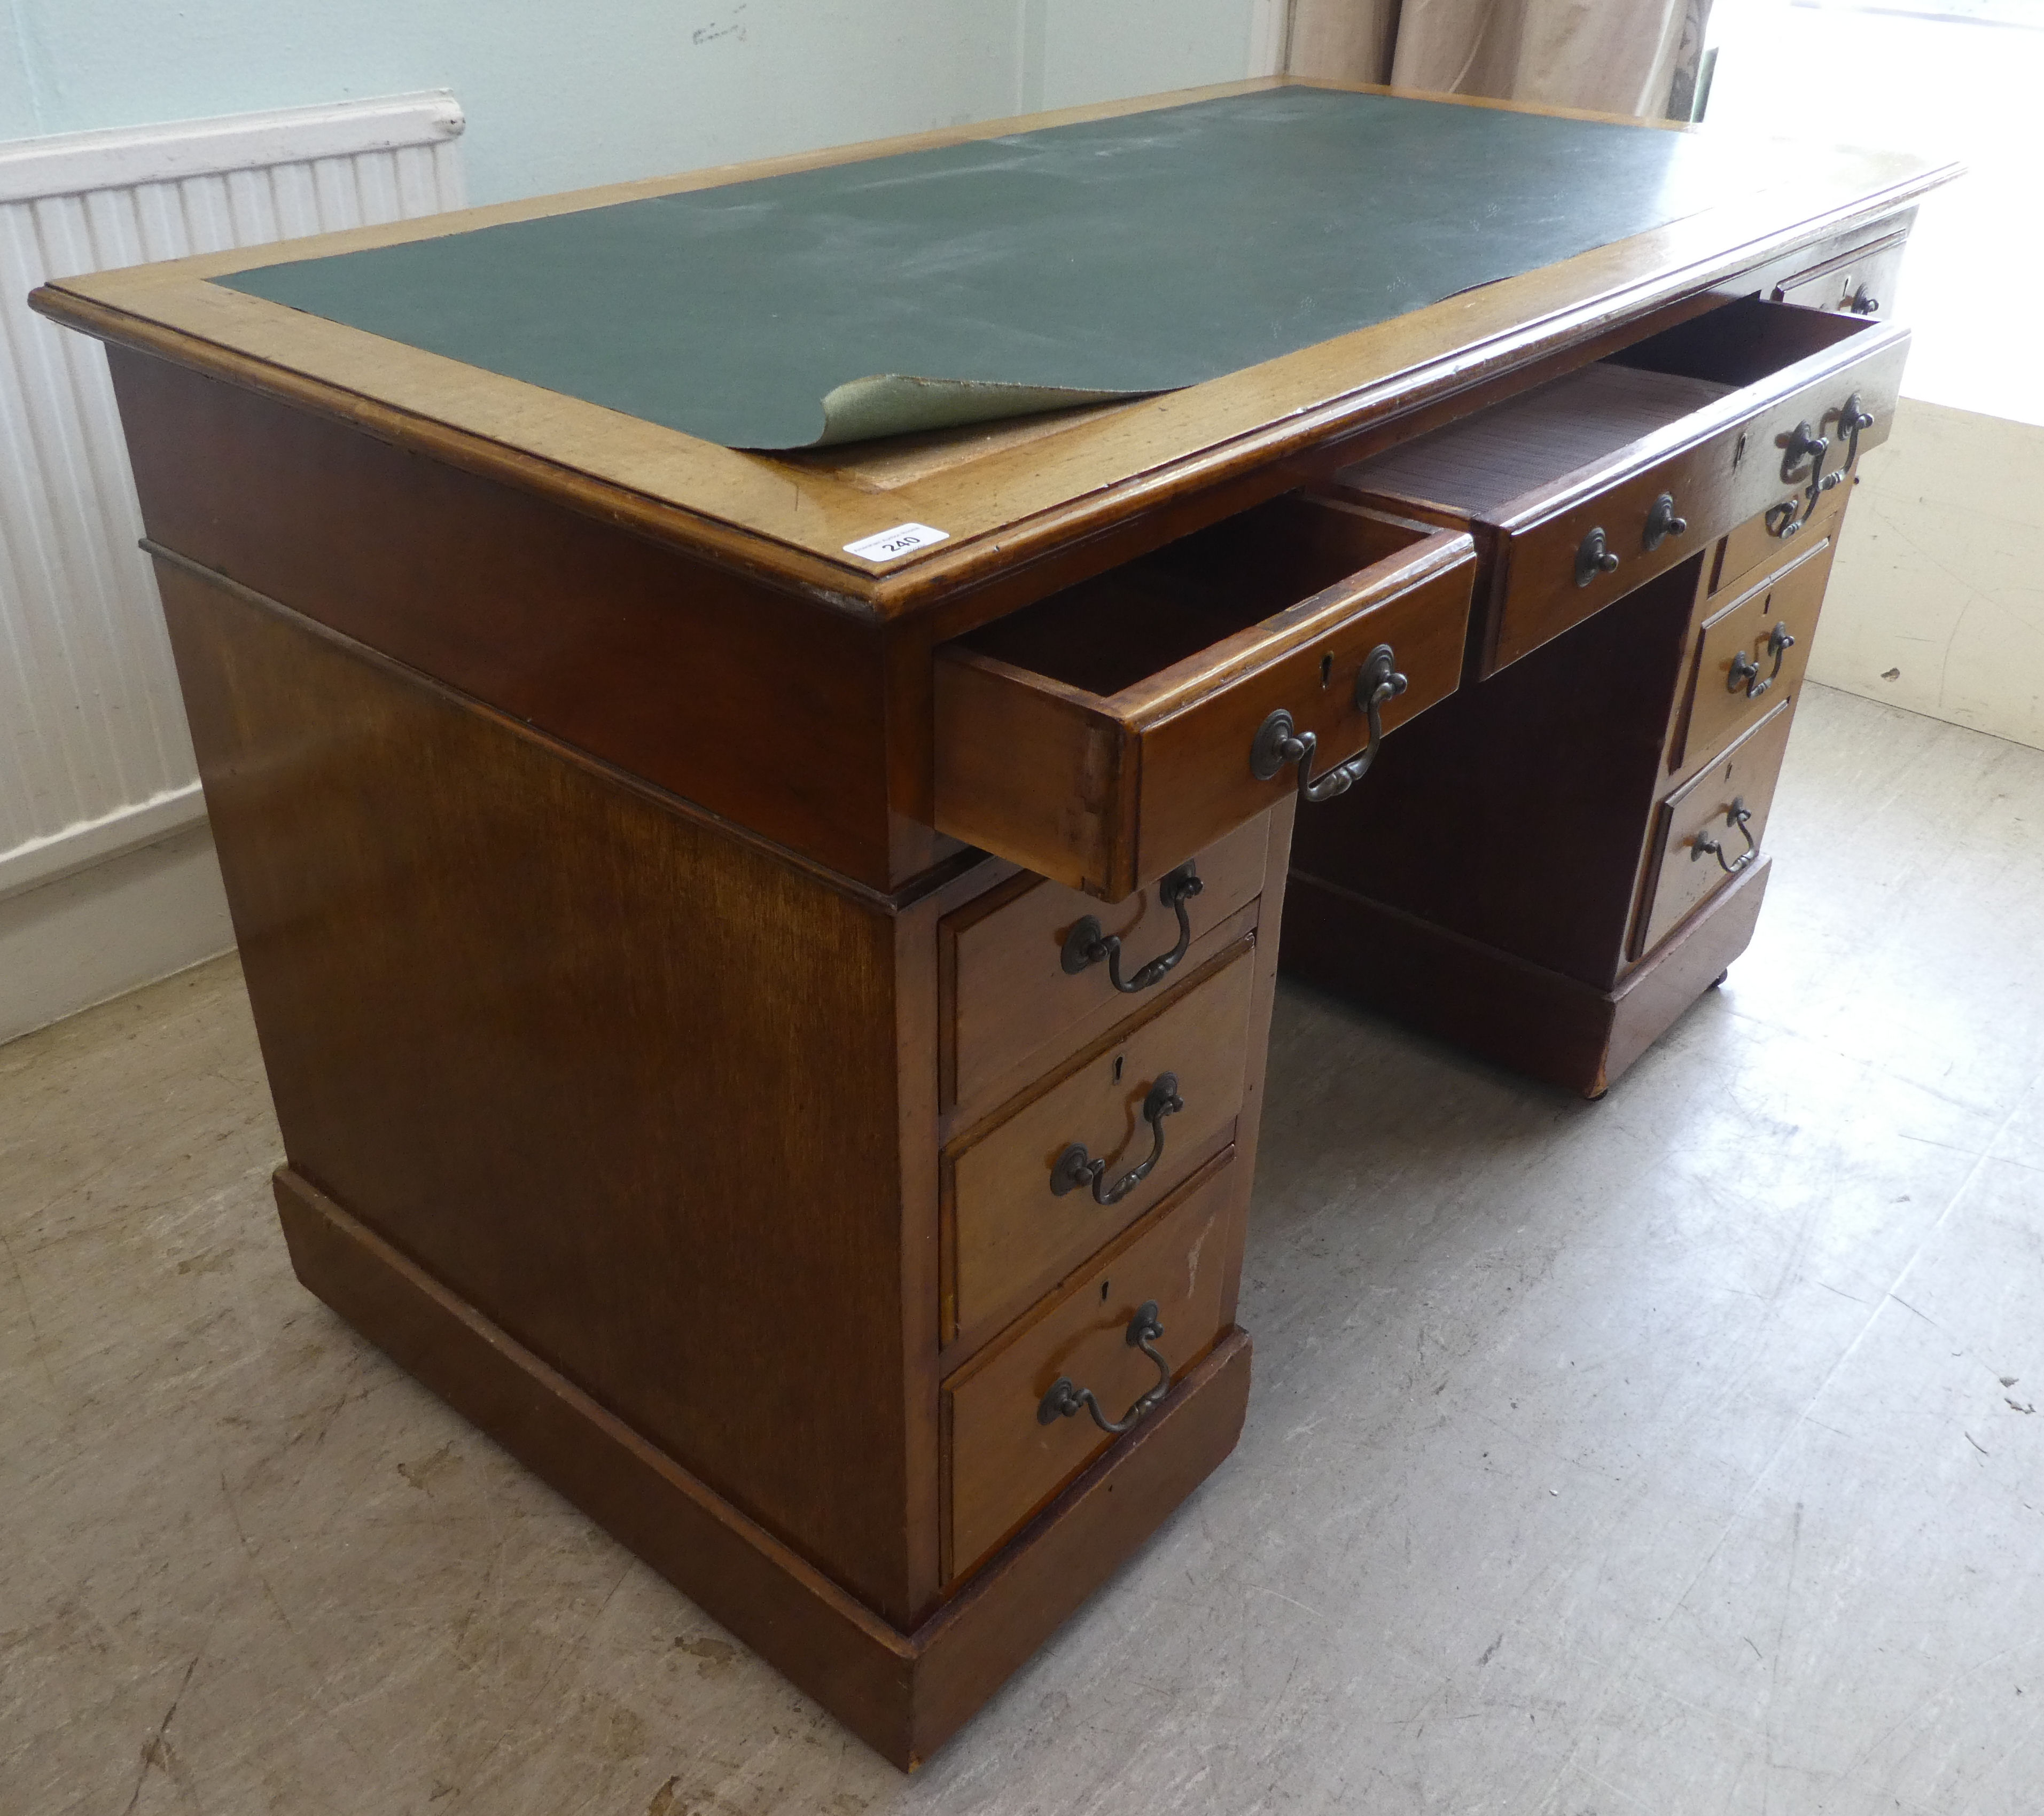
(774,1033)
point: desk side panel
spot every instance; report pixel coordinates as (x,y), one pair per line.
(762,706)
(622,1081)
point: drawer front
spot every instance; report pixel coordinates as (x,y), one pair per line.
(1198,770)
(1017,1223)
(1709,829)
(1863,282)
(1021,991)
(1057,748)
(1564,558)
(1751,654)
(1003,1461)
(1752,550)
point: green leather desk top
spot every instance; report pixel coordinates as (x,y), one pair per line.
(971,282)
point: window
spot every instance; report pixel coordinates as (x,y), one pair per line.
(1951,78)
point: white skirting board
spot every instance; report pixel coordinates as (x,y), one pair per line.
(1937,601)
(88,842)
(122,921)
(94,759)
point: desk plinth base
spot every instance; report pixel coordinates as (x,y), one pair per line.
(903,1694)
(1505,1008)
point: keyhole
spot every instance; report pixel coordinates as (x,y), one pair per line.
(1103,1285)
(1118,1058)
(1327,669)
(1738,453)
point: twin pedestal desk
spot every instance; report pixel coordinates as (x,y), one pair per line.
(766,1006)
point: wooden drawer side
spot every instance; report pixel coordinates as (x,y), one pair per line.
(1032,771)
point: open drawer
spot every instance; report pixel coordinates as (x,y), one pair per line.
(1583,487)
(1105,734)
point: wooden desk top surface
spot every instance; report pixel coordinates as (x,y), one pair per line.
(1096,261)
(1003,492)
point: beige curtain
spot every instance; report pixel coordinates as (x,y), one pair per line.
(1612,56)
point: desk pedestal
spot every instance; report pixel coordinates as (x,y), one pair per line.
(657,1150)
(1551,869)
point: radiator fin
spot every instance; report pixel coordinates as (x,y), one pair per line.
(90,724)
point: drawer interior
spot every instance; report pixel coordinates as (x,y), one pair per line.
(1476,468)
(1481,467)
(1109,634)
(1745,343)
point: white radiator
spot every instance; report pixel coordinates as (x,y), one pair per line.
(94,754)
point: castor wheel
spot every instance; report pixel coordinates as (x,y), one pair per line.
(1720,978)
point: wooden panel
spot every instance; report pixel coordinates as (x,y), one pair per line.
(1691,960)
(1015,1010)
(1516,812)
(1493,1003)
(624,1078)
(903,1694)
(917,1252)
(1013,1236)
(806,1626)
(1500,1007)
(759,705)
(1682,874)
(1742,667)
(1003,1463)
(1102,736)
(1248,1128)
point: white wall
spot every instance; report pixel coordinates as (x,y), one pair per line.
(1937,603)
(95,761)
(563,95)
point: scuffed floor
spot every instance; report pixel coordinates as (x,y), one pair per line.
(1676,1454)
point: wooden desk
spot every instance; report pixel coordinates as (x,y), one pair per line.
(713,982)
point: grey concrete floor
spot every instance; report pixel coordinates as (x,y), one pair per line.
(1674,1454)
